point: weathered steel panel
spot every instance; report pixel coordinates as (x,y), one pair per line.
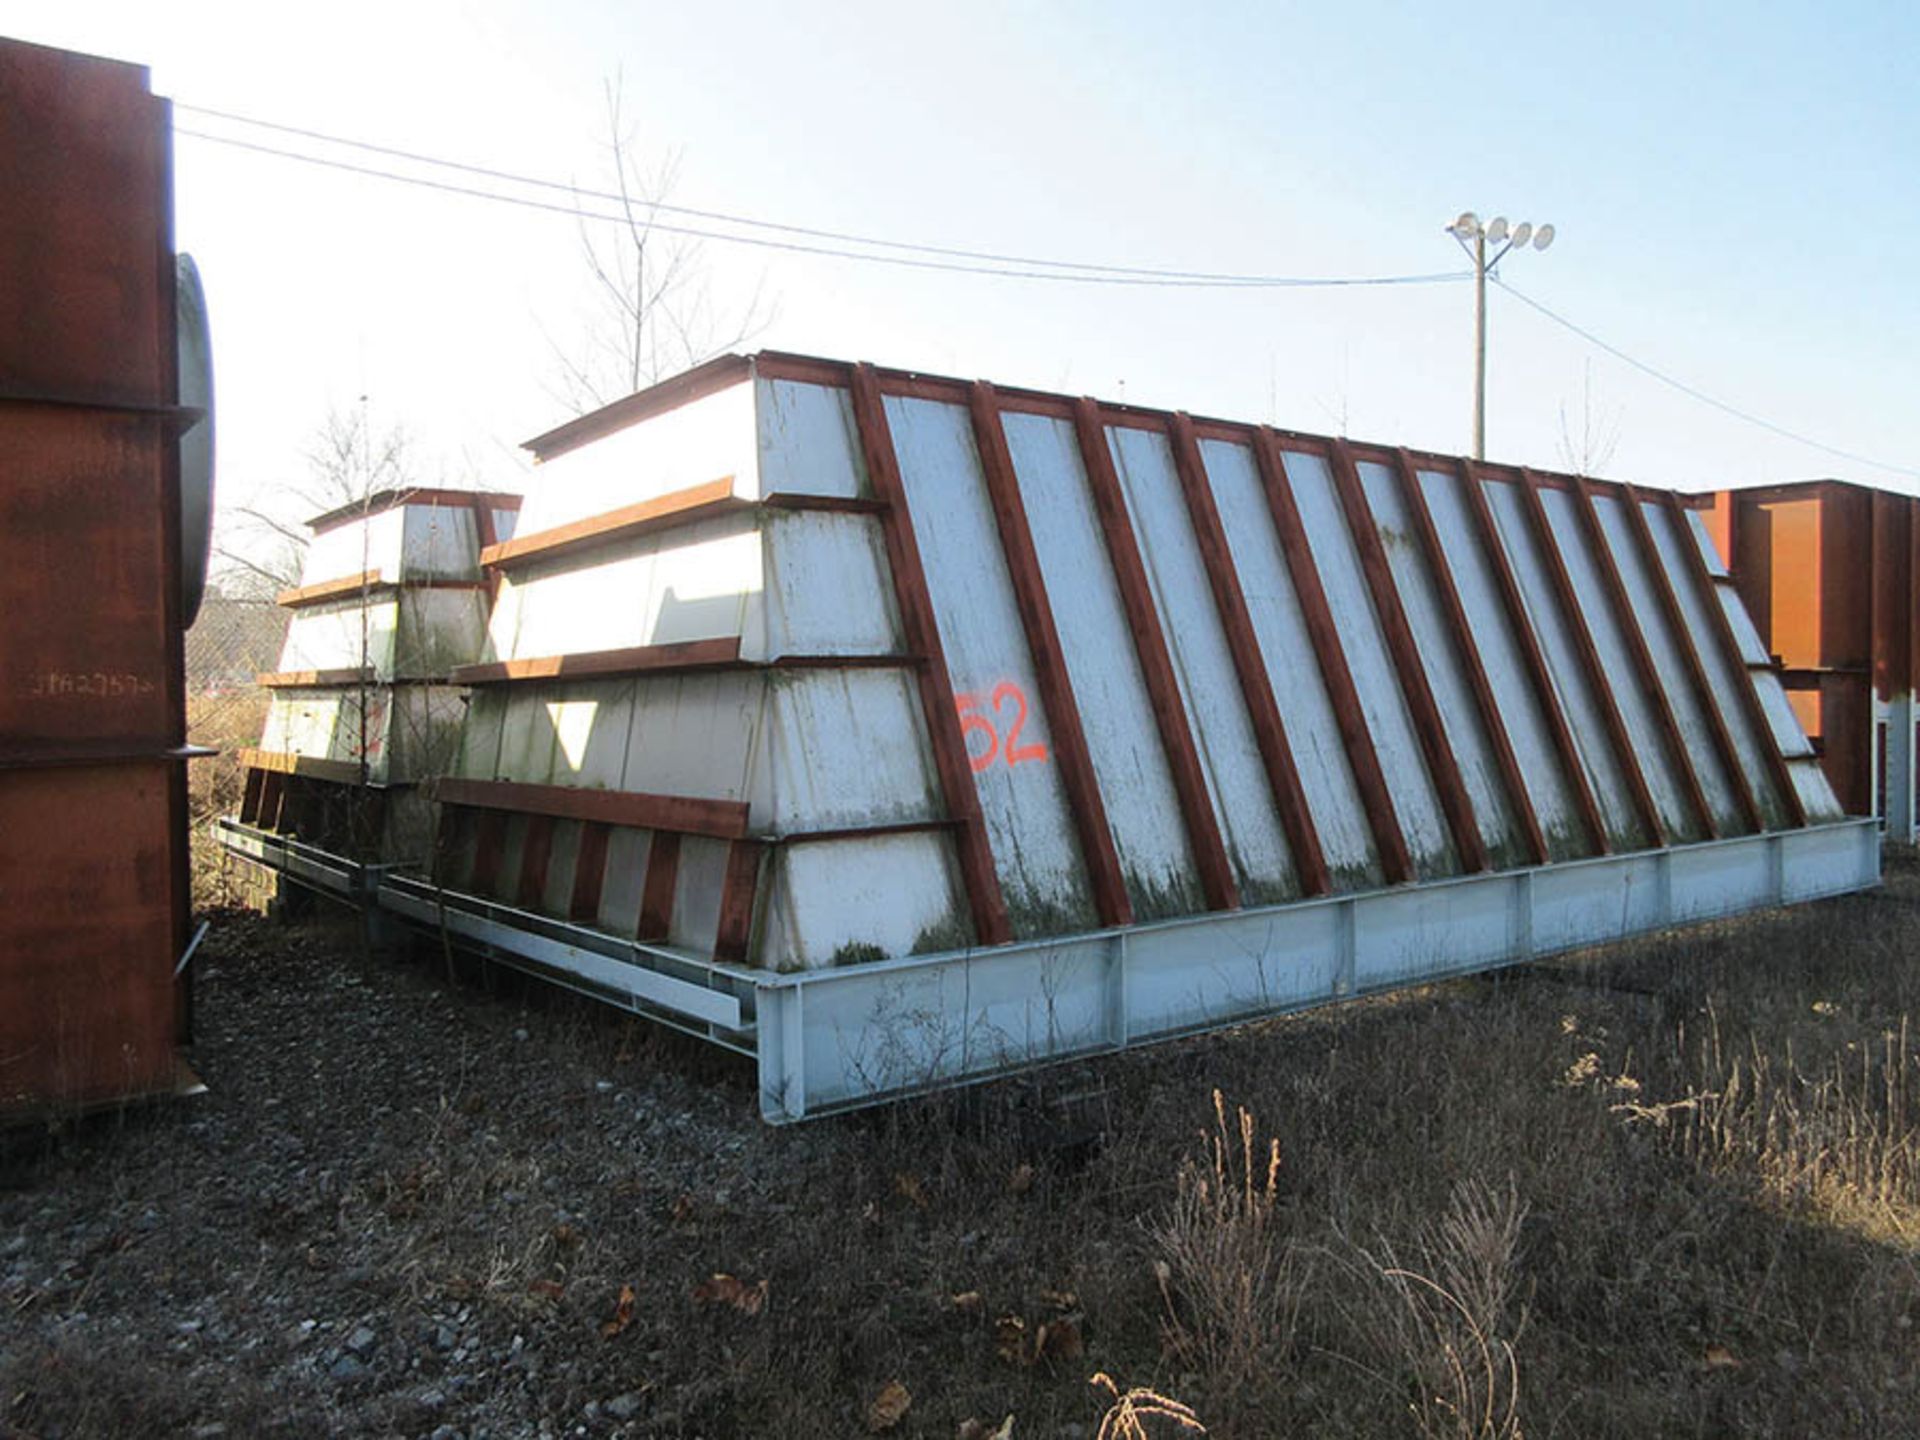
(1656,761)
(370,546)
(1138,581)
(1135,779)
(846,902)
(1578,699)
(1312,730)
(1726,672)
(1506,668)
(829,745)
(1669,660)
(86,992)
(827,591)
(688,584)
(1223,731)
(697,895)
(1009,738)
(1415,800)
(1446,675)
(83,489)
(807,442)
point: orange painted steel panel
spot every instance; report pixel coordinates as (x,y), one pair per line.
(1794,627)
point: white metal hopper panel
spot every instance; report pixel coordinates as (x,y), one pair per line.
(901,730)
(392,598)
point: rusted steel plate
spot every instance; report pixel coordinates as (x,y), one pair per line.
(84,489)
(87,925)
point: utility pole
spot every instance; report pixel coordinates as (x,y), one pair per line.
(1473,238)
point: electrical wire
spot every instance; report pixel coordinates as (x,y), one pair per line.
(916,256)
(992,262)
(1700,395)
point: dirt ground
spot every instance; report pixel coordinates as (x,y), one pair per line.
(1672,1190)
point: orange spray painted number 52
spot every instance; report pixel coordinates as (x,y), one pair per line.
(976,720)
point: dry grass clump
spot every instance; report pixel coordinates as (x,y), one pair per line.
(228,723)
(1230,1278)
(1837,1136)
(1446,1332)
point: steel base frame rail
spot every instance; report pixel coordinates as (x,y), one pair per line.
(838,1039)
(318,869)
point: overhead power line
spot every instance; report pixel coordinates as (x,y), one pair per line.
(987,262)
(1700,395)
(912,255)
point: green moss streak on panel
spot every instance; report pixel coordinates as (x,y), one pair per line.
(1568,841)
(1034,915)
(1159,900)
(952,933)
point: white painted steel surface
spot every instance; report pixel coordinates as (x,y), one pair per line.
(827,1040)
(1129,761)
(1237,781)
(850,896)
(1415,800)
(1500,655)
(1306,712)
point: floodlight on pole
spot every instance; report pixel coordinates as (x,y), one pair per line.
(1474,237)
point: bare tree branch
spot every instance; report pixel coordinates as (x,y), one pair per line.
(654,312)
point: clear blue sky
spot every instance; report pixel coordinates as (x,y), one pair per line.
(1733,188)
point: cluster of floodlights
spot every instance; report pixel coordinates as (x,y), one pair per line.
(1468,230)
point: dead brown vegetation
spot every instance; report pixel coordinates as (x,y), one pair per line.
(1669,1189)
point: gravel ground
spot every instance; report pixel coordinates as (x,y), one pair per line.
(421,1204)
(471,1209)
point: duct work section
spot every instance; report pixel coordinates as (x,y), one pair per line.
(900,731)
(392,599)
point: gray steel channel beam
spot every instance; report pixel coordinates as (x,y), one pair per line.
(308,864)
(838,1038)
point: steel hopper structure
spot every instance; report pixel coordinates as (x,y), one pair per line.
(900,730)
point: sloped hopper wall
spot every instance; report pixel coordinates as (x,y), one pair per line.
(392,597)
(797,664)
